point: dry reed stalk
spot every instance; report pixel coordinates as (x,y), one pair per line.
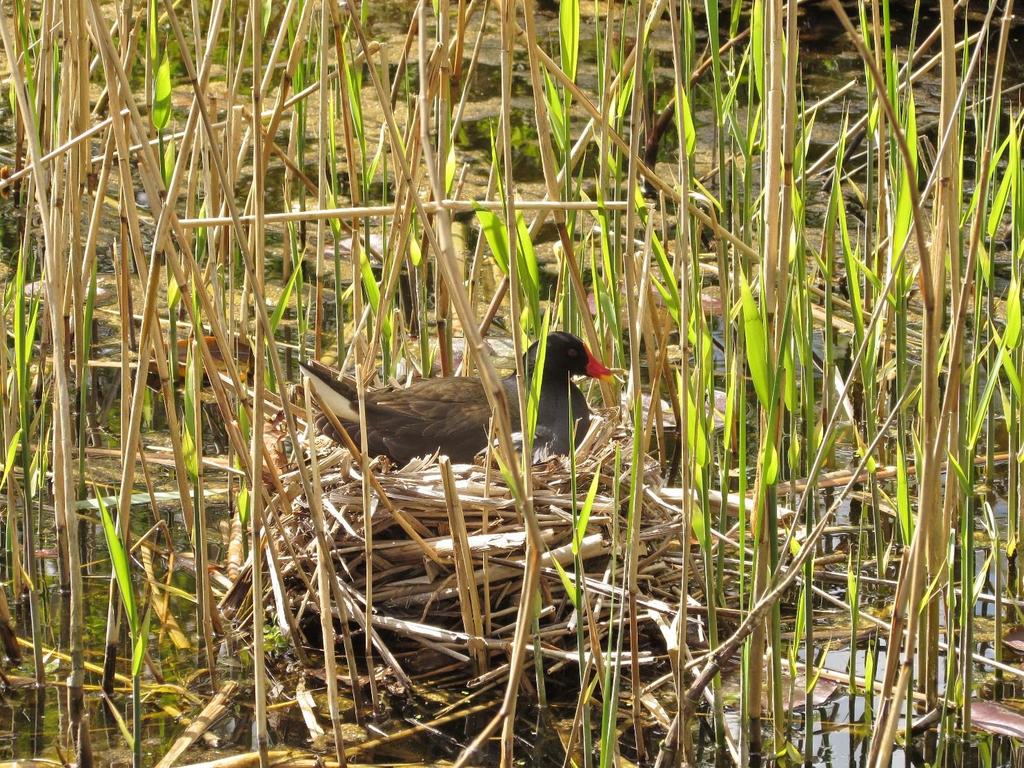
(469,598)
(325,575)
(553,186)
(521,476)
(276,757)
(445,256)
(676,740)
(350,213)
(383,557)
(60,150)
(914,563)
(204,599)
(940,434)
(683,271)
(159,592)
(772,270)
(885,626)
(780,582)
(125,682)
(633,391)
(949,419)
(63,492)
(359,346)
(908,75)
(277,113)
(9,416)
(256,277)
(217,707)
(150,277)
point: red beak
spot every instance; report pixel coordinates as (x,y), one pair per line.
(595,368)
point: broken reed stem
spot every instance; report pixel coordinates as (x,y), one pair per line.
(469,599)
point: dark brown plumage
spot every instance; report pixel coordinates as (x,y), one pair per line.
(451,415)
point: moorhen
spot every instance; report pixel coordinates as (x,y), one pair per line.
(451,415)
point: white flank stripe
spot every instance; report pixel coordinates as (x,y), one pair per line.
(339,405)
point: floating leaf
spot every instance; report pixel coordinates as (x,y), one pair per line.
(996,719)
(1015,639)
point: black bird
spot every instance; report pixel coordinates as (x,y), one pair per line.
(451,415)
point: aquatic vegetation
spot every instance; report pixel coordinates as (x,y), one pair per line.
(795,233)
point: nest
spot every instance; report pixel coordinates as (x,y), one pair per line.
(447,548)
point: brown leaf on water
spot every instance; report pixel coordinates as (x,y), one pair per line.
(823,690)
(1014,639)
(997,719)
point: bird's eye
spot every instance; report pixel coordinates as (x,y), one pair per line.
(573,352)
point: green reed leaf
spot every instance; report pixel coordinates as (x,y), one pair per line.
(756,345)
(903,513)
(536,379)
(450,166)
(1012,376)
(567,583)
(162,94)
(696,436)
(569,36)
(140,643)
(965,483)
(1012,335)
(687,124)
(770,462)
(757,46)
(119,562)
(284,301)
(588,505)
(496,235)
(12,451)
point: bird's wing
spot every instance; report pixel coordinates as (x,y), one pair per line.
(450,414)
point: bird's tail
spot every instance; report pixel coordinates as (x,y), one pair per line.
(337,394)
